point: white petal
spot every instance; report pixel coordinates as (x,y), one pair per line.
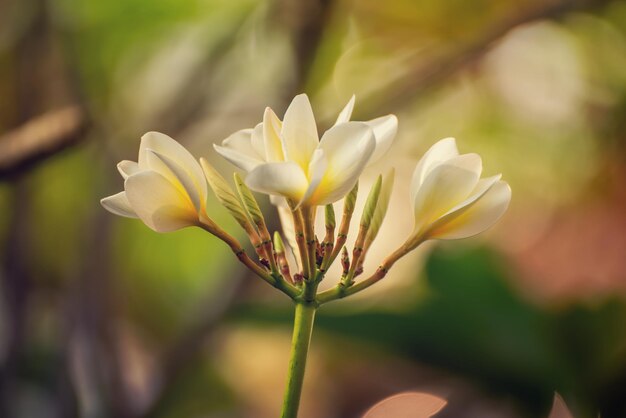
(347,148)
(471,162)
(385,129)
(158,203)
(237,149)
(257,141)
(346,113)
(271,135)
(480,189)
(317,168)
(127,168)
(283,179)
(479,216)
(441,151)
(299,131)
(241,141)
(119,205)
(446,186)
(238,159)
(165,145)
(182,177)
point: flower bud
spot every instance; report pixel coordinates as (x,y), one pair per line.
(329,213)
(227,198)
(371,203)
(249,202)
(281,257)
(350,200)
(224,194)
(381,208)
(450,200)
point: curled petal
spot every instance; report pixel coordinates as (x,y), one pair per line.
(478,216)
(170,148)
(158,203)
(271,135)
(282,179)
(444,187)
(257,141)
(347,147)
(385,129)
(119,205)
(346,112)
(441,151)
(182,177)
(299,131)
(127,168)
(481,188)
(238,149)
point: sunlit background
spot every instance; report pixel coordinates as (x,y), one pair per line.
(102,317)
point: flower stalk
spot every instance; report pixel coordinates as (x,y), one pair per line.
(304,318)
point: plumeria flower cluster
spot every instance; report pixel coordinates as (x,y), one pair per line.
(167,188)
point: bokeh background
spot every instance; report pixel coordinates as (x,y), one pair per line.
(101,317)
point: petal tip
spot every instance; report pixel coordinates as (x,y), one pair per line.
(154,134)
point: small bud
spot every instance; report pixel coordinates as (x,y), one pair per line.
(319,253)
(279,246)
(381,208)
(249,202)
(225,195)
(371,203)
(298,278)
(350,199)
(345,261)
(358,271)
(342,235)
(281,258)
(254,211)
(329,211)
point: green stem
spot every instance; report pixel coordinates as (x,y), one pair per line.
(302,329)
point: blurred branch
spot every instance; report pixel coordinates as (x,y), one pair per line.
(425,78)
(188,104)
(40,138)
(309,23)
(16,285)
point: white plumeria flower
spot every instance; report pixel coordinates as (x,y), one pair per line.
(287,158)
(450,200)
(166,188)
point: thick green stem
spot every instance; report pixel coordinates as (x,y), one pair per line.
(302,329)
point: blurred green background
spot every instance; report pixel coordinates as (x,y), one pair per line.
(101,317)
